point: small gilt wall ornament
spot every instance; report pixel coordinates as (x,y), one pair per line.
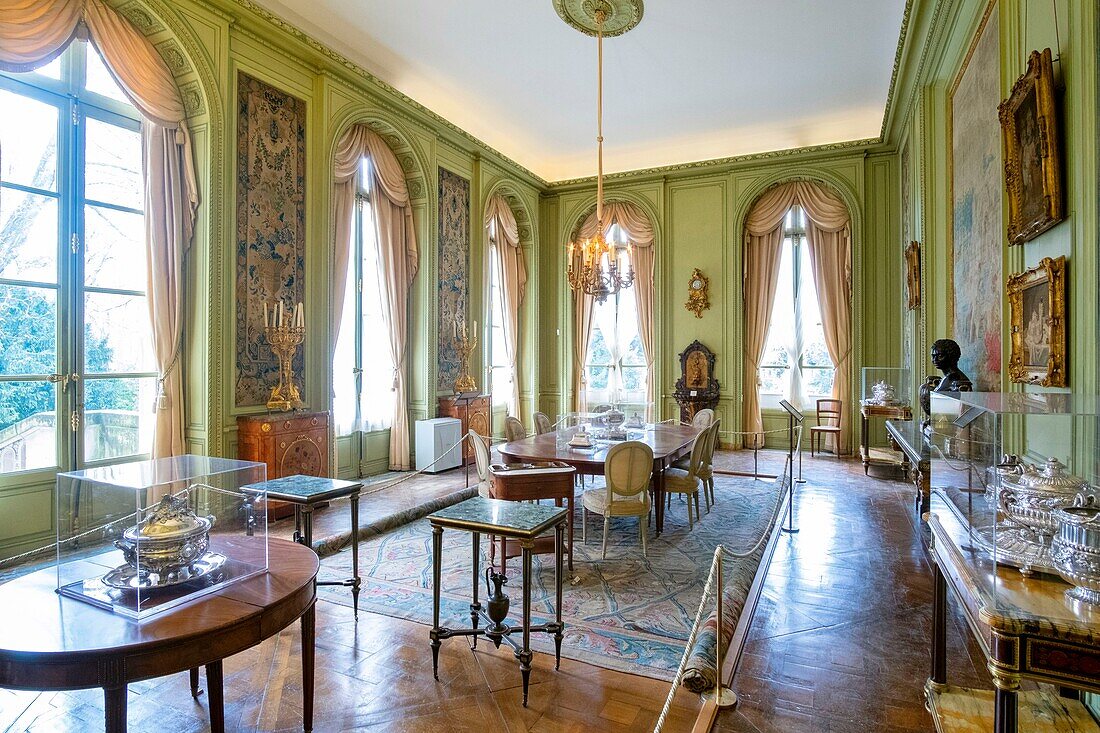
(698,293)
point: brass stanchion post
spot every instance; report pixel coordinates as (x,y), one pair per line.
(722,696)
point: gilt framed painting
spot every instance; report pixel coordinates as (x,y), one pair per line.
(912,274)
(1033,165)
(1037,306)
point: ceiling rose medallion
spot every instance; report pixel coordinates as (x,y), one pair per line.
(619,15)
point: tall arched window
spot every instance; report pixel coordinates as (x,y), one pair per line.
(796,364)
(363,376)
(615,366)
(501,374)
(77,367)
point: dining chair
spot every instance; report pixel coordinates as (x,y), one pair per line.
(627,471)
(706,471)
(688,482)
(826,410)
(543,424)
(703,419)
(513,429)
(482,461)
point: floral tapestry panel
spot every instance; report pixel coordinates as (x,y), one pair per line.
(454,267)
(271,184)
(977,229)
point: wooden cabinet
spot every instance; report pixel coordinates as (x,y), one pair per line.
(289,443)
(478,418)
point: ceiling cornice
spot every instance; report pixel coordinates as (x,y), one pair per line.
(349,65)
(716,164)
(903,34)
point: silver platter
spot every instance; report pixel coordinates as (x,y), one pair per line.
(126,577)
(1019,547)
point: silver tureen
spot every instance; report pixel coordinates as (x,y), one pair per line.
(1075,549)
(1030,497)
(170,546)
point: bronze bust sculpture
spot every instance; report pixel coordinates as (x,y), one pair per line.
(945,356)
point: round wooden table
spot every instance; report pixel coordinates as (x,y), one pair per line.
(49,642)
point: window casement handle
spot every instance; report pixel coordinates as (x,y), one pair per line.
(64,379)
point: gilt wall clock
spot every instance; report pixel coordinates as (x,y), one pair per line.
(698,293)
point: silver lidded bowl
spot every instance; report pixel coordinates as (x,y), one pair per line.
(1030,498)
(171,545)
(1075,549)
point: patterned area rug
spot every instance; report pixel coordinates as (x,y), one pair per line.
(627,613)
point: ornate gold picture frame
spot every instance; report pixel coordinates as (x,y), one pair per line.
(1037,302)
(1033,165)
(912,274)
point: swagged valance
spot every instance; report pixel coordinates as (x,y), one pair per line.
(35,32)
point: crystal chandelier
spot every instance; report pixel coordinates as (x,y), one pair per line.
(599,270)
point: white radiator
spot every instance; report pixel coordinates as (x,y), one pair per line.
(435,436)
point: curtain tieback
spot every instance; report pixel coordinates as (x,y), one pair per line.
(162,401)
(393,387)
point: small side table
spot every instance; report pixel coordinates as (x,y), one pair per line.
(306,493)
(878,456)
(512,520)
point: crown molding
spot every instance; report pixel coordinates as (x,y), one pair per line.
(717,164)
(347,64)
(902,36)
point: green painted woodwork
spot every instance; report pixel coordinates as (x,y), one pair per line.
(698,215)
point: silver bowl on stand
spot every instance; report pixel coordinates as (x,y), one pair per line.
(1075,549)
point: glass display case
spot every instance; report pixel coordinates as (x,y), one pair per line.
(610,419)
(1011,465)
(886,387)
(141,538)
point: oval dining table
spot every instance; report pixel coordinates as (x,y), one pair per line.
(51,642)
(669,442)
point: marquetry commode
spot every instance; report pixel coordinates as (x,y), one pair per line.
(1026,627)
(290,443)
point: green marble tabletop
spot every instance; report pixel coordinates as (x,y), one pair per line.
(306,489)
(496,516)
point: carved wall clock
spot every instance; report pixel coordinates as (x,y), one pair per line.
(698,293)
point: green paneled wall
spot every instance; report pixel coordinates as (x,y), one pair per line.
(698,214)
(206,43)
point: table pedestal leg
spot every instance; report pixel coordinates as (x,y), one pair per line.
(309,651)
(114,704)
(307,526)
(195,691)
(357,582)
(437,572)
(475,606)
(659,497)
(1004,709)
(938,676)
(524,654)
(559,532)
(216,698)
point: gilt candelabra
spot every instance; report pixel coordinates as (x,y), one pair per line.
(465,345)
(285,334)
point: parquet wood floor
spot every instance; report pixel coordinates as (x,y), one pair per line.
(840,643)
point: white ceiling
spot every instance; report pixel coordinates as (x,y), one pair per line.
(697,79)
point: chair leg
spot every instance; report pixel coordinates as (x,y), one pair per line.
(710,490)
(641,531)
(691,524)
(606,525)
(706,496)
(584,526)
(697,514)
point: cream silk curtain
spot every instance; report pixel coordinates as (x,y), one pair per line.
(829,238)
(639,232)
(33,33)
(397,256)
(501,222)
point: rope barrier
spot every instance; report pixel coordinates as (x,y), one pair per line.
(719,552)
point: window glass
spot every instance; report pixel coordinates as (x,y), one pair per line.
(501,371)
(72,270)
(28,132)
(796,365)
(362,366)
(615,368)
(98,79)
